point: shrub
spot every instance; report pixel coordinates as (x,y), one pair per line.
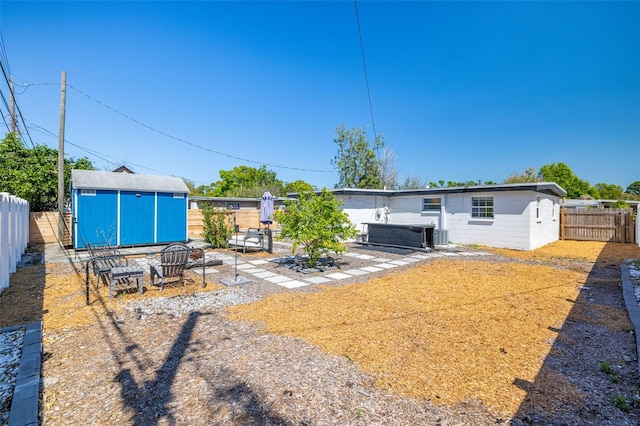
(216,228)
(316,223)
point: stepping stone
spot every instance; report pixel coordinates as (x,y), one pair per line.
(371,269)
(278,279)
(254,270)
(398,262)
(380,259)
(356,272)
(449,254)
(338,276)
(420,256)
(466,253)
(385,265)
(410,259)
(206,271)
(366,257)
(351,254)
(293,284)
(265,274)
(258,262)
(317,280)
(245,266)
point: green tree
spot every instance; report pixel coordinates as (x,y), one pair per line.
(315,223)
(356,161)
(561,174)
(216,228)
(608,191)
(634,188)
(244,181)
(529,175)
(297,187)
(32,174)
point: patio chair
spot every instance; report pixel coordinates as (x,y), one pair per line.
(103,258)
(253,239)
(173,261)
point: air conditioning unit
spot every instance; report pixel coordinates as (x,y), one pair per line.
(441,237)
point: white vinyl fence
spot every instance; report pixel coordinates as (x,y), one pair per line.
(14,234)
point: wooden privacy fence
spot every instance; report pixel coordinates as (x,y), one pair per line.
(14,234)
(245,218)
(613,225)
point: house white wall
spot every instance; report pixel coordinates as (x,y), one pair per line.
(365,209)
(514,225)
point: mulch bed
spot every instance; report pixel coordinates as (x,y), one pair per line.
(517,336)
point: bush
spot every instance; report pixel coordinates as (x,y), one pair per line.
(216,229)
(316,223)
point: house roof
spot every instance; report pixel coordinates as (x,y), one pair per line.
(551,188)
(94,179)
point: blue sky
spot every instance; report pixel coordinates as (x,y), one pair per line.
(460,90)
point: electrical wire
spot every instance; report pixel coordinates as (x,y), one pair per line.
(191,143)
(15,102)
(101,156)
(366,76)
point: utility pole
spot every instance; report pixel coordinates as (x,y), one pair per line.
(63,102)
(12,111)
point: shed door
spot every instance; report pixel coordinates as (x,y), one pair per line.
(137,217)
(172,217)
(97,218)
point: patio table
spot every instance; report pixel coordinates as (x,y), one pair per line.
(126,272)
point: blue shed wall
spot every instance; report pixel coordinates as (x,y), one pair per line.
(128,218)
(96,218)
(137,218)
(172,218)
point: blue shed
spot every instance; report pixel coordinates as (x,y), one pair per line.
(127,209)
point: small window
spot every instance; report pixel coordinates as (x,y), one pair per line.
(431,204)
(178,195)
(538,210)
(88,192)
(482,207)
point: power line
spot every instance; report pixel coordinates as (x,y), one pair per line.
(15,102)
(366,76)
(101,156)
(191,143)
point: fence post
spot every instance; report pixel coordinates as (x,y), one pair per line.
(4,240)
(14,234)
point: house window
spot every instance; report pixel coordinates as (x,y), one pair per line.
(482,207)
(538,210)
(178,195)
(431,204)
(89,192)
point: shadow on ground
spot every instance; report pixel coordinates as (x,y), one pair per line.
(22,301)
(589,338)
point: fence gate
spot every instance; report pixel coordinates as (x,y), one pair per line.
(613,225)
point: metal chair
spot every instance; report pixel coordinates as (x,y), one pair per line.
(173,261)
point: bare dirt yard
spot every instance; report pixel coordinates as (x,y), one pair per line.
(511,337)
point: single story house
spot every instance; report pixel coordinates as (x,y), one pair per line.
(127,209)
(521,216)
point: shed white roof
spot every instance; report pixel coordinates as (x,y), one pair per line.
(94,179)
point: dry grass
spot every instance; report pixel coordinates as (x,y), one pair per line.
(588,251)
(61,302)
(446,331)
